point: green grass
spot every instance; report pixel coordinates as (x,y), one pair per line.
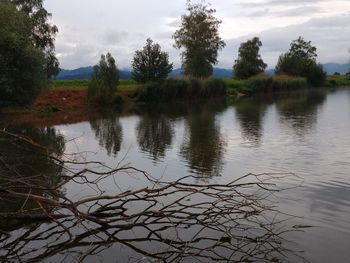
(235,85)
(124,85)
(338,81)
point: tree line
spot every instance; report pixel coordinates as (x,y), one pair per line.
(28,61)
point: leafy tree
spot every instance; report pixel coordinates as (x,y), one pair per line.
(303,49)
(249,62)
(22,66)
(42,32)
(300,60)
(104,80)
(150,63)
(199,36)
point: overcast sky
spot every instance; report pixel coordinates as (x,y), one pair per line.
(88,28)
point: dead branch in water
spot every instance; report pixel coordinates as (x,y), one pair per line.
(163,221)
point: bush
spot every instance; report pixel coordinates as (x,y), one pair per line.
(180,89)
(264,83)
(259,83)
(284,82)
(105,79)
(296,66)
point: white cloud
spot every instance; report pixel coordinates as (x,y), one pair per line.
(89,28)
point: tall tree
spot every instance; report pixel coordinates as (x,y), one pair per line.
(150,63)
(300,60)
(249,62)
(104,80)
(42,32)
(199,36)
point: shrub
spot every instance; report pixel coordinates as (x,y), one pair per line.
(284,82)
(259,83)
(214,87)
(180,89)
(264,83)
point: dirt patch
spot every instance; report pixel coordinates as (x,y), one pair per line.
(61,100)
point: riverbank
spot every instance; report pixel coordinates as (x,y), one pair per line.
(66,101)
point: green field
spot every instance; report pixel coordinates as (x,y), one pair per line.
(124,85)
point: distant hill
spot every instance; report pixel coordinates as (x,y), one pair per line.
(331,68)
(86,72)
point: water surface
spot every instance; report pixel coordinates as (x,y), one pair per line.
(306,134)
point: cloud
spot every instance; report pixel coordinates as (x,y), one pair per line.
(122,27)
(329,34)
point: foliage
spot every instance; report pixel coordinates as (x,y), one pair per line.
(22,71)
(199,36)
(303,49)
(150,63)
(259,83)
(264,83)
(104,81)
(288,83)
(249,62)
(42,32)
(300,60)
(338,81)
(179,89)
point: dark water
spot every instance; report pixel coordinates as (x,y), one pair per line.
(307,134)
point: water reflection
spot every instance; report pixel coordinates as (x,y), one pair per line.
(154,134)
(108,131)
(250,112)
(300,111)
(23,163)
(203,145)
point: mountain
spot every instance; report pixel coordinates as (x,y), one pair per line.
(331,68)
(86,72)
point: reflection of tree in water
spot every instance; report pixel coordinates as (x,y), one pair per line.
(301,111)
(154,134)
(203,144)
(250,113)
(23,163)
(108,132)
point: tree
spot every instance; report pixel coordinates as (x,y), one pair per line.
(22,65)
(150,63)
(104,80)
(42,32)
(249,62)
(199,36)
(303,49)
(300,60)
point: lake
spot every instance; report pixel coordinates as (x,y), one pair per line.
(305,135)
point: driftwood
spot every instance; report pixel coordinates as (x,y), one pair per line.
(179,221)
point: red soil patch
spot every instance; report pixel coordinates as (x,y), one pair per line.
(61,100)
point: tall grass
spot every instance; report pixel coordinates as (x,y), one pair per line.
(264,83)
(182,89)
